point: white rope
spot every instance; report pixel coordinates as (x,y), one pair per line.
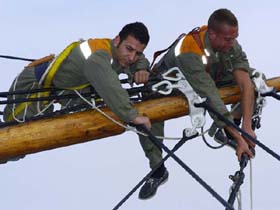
(41,112)
(251,184)
(14,104)
(127,127)
(239,200)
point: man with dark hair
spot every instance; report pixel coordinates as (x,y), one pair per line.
(96,63)
(221,16)
(210,56)
(137,30)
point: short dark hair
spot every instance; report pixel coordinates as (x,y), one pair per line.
(221,16)
(138,30)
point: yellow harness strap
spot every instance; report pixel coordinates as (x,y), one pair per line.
(20,108)
(47,81)
(47,78)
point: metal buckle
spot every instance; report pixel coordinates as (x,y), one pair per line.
(175,79)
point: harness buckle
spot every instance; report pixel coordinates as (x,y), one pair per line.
(261,88)
(179,82)
(260,85)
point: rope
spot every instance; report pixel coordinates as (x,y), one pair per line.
(175,148)
(189,170)
(16,58)
(251,184)
(239,200)
(221,144)
(208,144)
(245,134)
(41,112)
(272,94)
(48,98)
(48,115)
(134,90)
(126,127)
(14,105)
(19,92)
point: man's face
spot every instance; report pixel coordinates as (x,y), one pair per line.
(223,40)
(128,51)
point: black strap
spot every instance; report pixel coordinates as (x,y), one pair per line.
(195,34)
(188,169)
(272,93)
(159,52)
(175,148)
(209,108)
(238,179)
(16,58)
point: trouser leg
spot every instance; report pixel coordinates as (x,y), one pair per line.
(21,111)
(152,152)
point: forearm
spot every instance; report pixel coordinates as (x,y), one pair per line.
(247,104)
(105,81)
(247,97)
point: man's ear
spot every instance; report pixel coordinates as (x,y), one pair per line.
(117,41)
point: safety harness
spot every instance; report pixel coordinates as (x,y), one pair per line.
(196,37)
(46,68)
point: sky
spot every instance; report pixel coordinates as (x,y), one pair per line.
(98,174)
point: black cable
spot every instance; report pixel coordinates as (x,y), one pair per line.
(49,98)
(189,170)
(272,93)
(134,90)
(208,107)
(209,145)
(238,179)
(79,107)
(16,58)
(22,92)
(176,147)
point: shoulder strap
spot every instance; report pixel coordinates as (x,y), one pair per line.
(195,34)
(41,60)
(159,52)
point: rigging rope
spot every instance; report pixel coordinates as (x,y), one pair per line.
(189,170)
(251,184)
(16,58)
(245,134)
(175,148)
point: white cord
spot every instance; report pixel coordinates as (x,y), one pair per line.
(128,128)
(14,104)
(41,112)
(239,200)
(251,184)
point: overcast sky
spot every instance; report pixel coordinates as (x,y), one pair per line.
(96,175)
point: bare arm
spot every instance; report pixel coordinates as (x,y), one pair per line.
(247,100)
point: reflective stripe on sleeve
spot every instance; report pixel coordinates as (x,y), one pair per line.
(85,48)
(177,49)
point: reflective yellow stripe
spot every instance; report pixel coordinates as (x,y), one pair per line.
(55,65)
(93,45)
(47,81)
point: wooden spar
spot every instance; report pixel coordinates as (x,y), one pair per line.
(46,134)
